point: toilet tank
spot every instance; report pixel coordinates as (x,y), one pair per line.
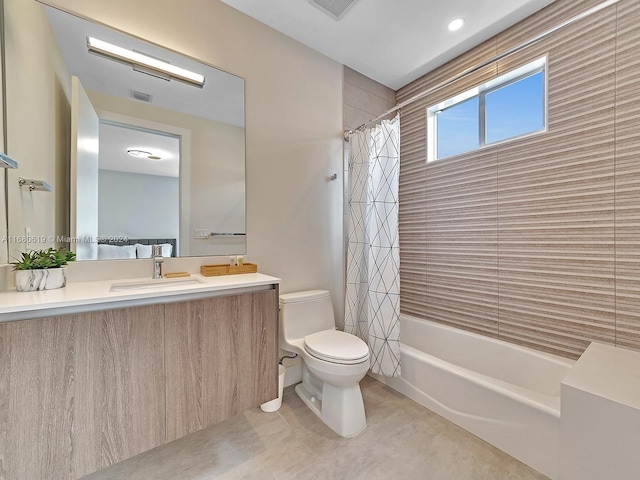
(304,313)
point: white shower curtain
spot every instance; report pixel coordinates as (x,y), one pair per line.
(372,303)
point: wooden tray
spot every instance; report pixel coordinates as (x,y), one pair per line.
(214,270)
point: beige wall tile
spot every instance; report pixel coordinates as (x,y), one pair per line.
(534,240)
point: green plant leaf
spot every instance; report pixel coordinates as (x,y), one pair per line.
(40,259)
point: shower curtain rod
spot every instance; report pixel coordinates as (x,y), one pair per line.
(493,59)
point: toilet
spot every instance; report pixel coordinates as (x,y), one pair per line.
(333,362)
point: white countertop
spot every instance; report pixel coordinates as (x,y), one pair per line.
(608,372)
(79,297)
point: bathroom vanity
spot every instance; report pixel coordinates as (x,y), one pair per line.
(97,372)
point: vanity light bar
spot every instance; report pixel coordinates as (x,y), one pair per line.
(115,52)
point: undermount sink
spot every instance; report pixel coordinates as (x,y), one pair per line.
(156,284)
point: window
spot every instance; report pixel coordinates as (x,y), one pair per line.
(504,108)
(458,128)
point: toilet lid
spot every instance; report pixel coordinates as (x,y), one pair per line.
(337,347)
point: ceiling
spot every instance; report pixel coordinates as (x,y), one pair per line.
(391,42)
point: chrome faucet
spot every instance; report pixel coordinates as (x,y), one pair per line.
(156,253)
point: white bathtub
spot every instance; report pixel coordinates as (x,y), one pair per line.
(505,394)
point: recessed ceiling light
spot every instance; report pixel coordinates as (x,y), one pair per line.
(455,24)
(134,152)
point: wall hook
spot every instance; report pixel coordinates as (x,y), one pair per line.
(34,185)
(333,177)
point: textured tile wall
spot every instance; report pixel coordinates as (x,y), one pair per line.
(535,241)
(363,98)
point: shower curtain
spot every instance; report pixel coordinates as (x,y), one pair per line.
(372,300)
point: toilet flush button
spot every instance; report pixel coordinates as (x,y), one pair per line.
(313,399)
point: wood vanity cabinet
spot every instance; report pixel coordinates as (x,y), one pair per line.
(221,358)
(81,392)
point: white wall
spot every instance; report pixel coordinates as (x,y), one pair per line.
(293,129)
(137,205)
(218,188)
(215,170)
(3,148)
(84,159)
(38,124)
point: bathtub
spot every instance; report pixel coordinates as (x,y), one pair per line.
(505,394)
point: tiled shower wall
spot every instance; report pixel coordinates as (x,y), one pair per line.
(363,98)
(535,241)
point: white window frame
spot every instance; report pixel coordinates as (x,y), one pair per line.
(532,68)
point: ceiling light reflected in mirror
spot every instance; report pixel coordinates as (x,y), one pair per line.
(134,152)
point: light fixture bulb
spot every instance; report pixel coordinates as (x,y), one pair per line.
(134,58)
(455,24)
(138,153)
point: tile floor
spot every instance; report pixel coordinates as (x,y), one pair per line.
(403,441)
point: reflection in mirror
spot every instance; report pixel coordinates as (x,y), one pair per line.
(4,249)
(170,158)
(137,167)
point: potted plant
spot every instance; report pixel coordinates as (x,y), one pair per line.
(42,269)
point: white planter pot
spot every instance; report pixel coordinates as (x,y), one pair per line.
(44,279)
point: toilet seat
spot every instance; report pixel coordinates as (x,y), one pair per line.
(336,347)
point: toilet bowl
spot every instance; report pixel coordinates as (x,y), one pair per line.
(333,362)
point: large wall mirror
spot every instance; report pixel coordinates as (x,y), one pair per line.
(139,155)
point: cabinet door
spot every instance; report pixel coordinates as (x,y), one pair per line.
(258,351)
(50,397)
(221,357)
(133,413)
(80,392)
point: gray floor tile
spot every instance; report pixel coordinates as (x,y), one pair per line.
(402,440)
